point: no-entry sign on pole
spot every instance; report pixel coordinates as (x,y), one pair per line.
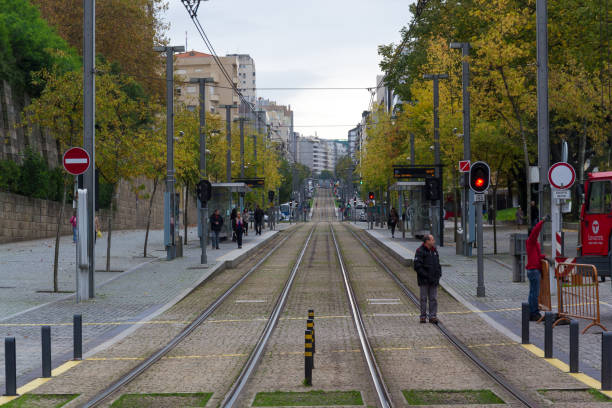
(76,160)
(464,166)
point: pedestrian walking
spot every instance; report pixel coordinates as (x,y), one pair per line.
(98,233)
(259,217)
(245,220)
(73,222)
(233,223)
(429,271)
(216,223)
(535,214)
(519,216)
(239,229)
(393,219)
(534,268)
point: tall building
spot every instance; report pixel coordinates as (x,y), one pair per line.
(194,64)
(246,76)
(278,118)
(320,154)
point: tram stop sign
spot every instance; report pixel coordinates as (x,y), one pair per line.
(76,160)
(561,175)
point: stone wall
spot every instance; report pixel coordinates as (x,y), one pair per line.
(25,218)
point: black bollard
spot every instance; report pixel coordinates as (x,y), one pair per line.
(548,334)
(310,326)
(10,365)
(525,323)
(574,349)
(606,361)
(77,336)
(45,334)
(308,357)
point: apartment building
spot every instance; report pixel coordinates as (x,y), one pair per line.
(279,118)
(320,154)
(195,64)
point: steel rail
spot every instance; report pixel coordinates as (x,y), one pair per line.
(384,396)
(498,378)
(232,396)
(139,369)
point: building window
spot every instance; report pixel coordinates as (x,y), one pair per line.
(191,89)
(180,72)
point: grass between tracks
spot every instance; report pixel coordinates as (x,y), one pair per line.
(41,400)
(574,395)
(197,399)
(450,397)
(306,399)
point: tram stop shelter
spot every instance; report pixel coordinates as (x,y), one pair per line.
(226,196)
(418,211)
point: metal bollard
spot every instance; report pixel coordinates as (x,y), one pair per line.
(310,326)
(548,334)
(10,365)
(45,334)
(525,323)
(308,357)
(574,349)
(77,336)
(606,361)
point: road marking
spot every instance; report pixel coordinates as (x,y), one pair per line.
(583,378)
(250,301)
(384,301)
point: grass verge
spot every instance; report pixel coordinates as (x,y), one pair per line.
(307,399)
(197,399)
(41,400)
(451,397)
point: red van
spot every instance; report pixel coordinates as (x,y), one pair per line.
(596,223)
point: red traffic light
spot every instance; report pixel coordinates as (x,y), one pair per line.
(371,196)
(479,182)
(479,177)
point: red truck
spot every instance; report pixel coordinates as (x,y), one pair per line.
(596,223)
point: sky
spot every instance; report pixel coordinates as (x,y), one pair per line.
(316,43)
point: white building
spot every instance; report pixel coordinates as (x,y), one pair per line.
(320,154)
(247,78)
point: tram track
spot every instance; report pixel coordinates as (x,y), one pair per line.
(102,396)
(448,334)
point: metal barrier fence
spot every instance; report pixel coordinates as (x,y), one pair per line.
(578,293)
(544,299)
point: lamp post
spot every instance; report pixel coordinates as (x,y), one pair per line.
(203,222)
(169,199)
(228,136)
(467,197)
(438,169)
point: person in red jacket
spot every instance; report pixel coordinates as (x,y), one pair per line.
(534,268)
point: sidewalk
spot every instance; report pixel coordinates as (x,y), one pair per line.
(502,305)
(144,289)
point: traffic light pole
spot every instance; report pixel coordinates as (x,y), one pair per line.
(480,289)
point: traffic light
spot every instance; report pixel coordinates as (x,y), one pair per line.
(271,195)
(371,195)
(204,191)
(360,181)
(432,189)
(479,177)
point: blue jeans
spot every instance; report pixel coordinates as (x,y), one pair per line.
(534,276)
(215,239)
(74,234)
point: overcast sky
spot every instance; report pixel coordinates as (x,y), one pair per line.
(314,43)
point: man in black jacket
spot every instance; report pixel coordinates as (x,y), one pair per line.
(216,222)
(259,216)
(429,271)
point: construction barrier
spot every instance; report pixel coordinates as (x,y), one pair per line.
(578,293)
(544,300)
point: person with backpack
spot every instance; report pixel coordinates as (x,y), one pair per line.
(259,217)
(216,224)
(393,219)
(429,272)
(239,229)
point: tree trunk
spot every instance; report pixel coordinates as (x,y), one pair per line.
(110,226)
(494,220)
(185,214)
(155,181)
(60,217)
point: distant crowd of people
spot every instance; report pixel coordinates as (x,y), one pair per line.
(239,223)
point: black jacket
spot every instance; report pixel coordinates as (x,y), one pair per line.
(259,215)
(427,266)
(216,222)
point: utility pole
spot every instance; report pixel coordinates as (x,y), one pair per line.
(89,132)
(169,198)
(203,222)
(293,172)
(542,82)
(439,225)
(228,138)
(241,121)
(467,197)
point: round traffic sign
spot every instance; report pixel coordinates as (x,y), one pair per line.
(76,160)
(561,175)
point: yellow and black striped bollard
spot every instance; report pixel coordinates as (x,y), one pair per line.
(310,326)
(308,357)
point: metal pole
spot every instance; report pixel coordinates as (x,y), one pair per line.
(242,147)
(228,138)
(480,289)
(542,83)
(89,131)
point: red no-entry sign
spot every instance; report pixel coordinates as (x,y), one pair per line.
(464,166)
(76,160)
